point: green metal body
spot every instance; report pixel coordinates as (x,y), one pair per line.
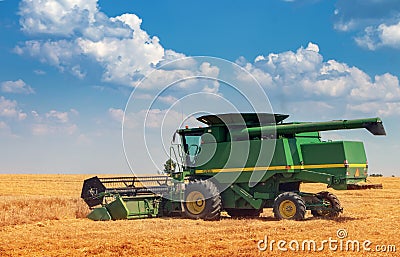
(99,214)
(116,207)
(146,206)
(255,163)
(251,158)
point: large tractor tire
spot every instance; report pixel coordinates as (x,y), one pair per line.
(289,205)
(249,213)
(202,200)
(332,201)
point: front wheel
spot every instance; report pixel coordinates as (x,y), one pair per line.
(290,206)
(202,200)
(332,202)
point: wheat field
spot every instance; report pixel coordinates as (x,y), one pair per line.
(42,215)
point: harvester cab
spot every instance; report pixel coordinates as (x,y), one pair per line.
(241,163)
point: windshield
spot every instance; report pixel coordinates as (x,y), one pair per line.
(192,148)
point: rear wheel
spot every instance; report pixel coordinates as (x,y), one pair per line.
(202,200)
(331,201)
(243,212)
(289,205)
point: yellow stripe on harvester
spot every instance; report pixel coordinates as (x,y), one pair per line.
(294,167)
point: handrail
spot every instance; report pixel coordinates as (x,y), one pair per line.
(172,153)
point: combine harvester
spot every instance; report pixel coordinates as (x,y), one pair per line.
(241,163)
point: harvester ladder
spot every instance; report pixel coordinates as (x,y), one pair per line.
(174,157)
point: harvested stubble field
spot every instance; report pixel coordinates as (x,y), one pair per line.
(42,215)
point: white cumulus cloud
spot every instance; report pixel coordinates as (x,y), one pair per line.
(390,34)
(118,44)
(60,53)
(18,87)
(376,22)
(60,17)
(61,117)
(116,114)
(54,122)
(10,109)
(304,76)
(380,36)
(151,119)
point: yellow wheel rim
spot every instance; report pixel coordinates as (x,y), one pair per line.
(287,209)
(195,202)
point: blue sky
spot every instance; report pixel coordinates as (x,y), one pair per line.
(69,67)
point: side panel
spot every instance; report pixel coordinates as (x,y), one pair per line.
(244,154)
(240,160)
(346,160)
(323,153)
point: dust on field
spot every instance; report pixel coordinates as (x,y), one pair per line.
(42,215)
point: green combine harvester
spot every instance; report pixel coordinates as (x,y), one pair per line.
(241,163)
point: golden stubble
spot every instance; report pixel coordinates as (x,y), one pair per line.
(42,215)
